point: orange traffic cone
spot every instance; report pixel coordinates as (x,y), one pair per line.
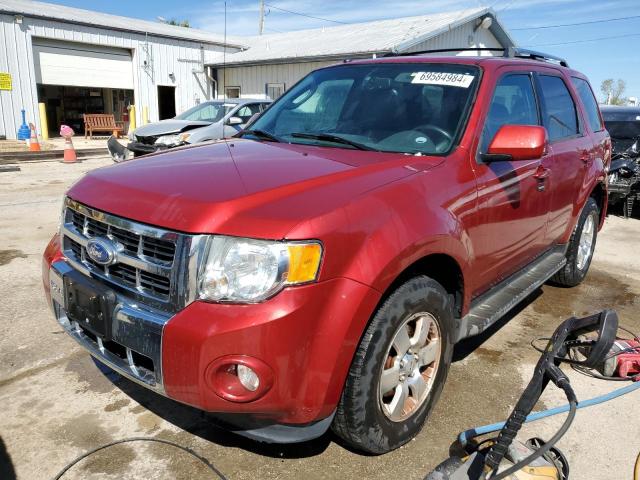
(34,146)
(69,152)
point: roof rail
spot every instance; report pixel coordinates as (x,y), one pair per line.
(515,52)
(444,50)
(509,52)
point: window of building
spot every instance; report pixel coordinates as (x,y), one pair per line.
(589,102)
(274,90)
(513,103)
(560,114)
(232,92)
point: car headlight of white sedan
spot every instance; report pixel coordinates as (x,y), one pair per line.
(173,140)
(243,270)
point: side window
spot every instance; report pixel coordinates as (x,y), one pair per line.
(589,102)
(513,103)
(560,115)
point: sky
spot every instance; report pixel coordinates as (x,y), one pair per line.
(600,50)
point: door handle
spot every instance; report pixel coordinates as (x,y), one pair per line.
(585,156)
(541,175)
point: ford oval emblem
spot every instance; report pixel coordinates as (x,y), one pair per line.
(101,250)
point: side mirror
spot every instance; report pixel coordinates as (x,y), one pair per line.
(234,121)
(517,142)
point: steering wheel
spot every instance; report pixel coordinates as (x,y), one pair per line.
(445,137)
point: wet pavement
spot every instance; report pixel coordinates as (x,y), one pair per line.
(56,403)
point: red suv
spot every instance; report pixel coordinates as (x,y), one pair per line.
(318,270)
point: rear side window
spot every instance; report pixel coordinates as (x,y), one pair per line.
(513,103)
(560,115)
(589,102)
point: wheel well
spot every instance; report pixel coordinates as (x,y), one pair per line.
(599,196)
(439,267)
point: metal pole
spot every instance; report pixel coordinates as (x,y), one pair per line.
(261,23)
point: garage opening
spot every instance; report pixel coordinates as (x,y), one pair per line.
(76,78)
(166,102)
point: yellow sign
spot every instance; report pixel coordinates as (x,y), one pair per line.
(5,81)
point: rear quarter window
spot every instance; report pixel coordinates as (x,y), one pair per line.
(590,105)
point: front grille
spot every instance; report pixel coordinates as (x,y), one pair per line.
(146,257)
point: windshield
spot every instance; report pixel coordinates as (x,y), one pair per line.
(207,112)
(416,108)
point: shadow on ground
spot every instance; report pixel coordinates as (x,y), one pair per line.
(7,471)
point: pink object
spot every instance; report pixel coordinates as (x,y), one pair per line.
(66,131)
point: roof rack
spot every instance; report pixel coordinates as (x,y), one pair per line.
(514,52)
(509,52)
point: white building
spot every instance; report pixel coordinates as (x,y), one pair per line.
(77,61)
(274,62)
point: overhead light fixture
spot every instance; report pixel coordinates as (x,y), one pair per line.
(19,19)
(172,77)
(485,23)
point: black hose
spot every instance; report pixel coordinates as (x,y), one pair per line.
(141,439)
(547,446)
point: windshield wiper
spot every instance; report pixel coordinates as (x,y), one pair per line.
(260,134)
(332,138)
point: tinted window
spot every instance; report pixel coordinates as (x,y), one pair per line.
(589,102)
(560,115)
(247,111)
(513,103)
(409,108)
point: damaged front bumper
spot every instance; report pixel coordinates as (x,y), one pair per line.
(120,153)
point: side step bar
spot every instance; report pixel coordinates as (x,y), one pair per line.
(491,306)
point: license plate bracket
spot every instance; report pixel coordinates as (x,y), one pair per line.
(89,304)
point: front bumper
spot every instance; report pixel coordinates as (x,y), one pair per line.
(306,336)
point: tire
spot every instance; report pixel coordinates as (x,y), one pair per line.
(577,266)
(372,422)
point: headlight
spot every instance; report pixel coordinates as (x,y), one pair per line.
(244,270)
(173,140)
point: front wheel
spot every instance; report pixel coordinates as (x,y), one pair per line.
(399,368)
(581,247)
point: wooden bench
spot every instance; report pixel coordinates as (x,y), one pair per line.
(101,122)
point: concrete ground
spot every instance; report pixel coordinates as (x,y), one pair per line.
(55,143)
(56,404)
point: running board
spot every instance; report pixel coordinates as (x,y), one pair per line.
(491,306)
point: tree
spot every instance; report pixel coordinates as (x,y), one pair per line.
(613,91)
(177,23)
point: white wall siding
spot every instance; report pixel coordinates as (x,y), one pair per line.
(253,80)
(459,38)
(16,58)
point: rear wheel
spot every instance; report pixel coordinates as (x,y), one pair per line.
(581,247)
(399,368)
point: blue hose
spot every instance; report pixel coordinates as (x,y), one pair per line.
(465,436)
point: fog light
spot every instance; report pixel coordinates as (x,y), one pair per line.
(248,378)
(239,378)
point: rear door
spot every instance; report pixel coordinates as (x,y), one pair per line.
(571,149)
(513,200)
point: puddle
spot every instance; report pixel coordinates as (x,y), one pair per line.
(7,255)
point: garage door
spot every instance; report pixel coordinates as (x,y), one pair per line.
(82,65)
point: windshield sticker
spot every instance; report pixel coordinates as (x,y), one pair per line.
(443,78)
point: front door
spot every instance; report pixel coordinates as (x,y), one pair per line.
(513,197)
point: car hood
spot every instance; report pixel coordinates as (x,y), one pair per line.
(243,188)
(165,127)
